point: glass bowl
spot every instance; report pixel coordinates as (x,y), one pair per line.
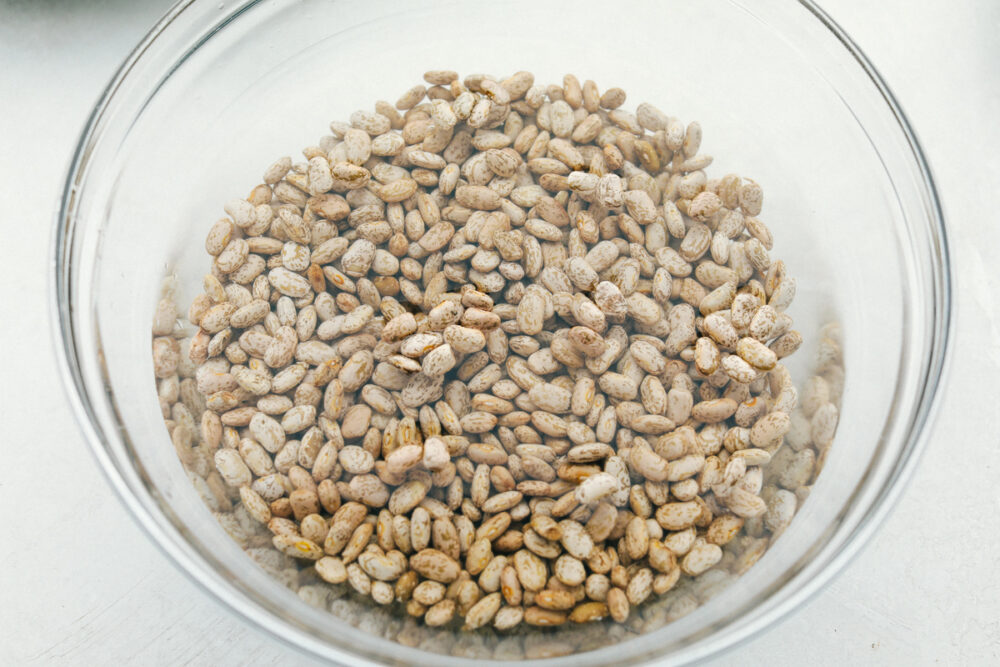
(217,91)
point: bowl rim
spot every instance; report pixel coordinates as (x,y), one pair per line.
(927,403)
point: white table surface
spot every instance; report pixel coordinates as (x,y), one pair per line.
(81,584)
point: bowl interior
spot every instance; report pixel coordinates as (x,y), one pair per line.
(220,93)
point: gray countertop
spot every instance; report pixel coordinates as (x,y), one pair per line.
(81,584)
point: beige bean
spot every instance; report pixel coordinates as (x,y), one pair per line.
(470,317)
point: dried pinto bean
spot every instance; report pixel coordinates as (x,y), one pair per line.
(502,352)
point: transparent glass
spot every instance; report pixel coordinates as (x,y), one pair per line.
(216,91)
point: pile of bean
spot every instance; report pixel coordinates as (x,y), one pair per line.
(506,357)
